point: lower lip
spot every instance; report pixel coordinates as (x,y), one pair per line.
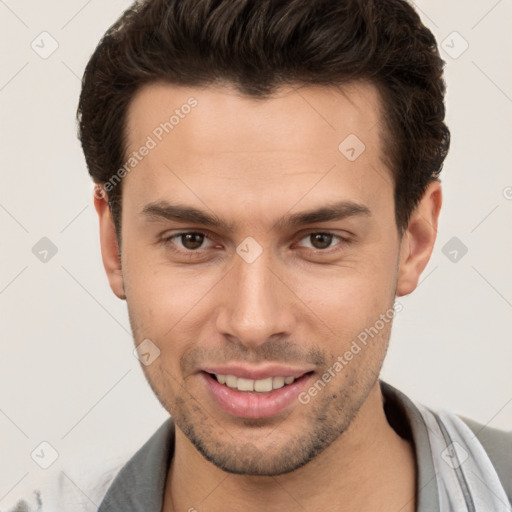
(251,404)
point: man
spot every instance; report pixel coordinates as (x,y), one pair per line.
(267,186)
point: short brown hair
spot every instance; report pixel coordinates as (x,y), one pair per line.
(259,45)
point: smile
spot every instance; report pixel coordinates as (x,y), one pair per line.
(243,397)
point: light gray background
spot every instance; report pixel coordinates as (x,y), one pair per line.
(67,370)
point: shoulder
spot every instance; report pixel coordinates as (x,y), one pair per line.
(498,445)
(64,489)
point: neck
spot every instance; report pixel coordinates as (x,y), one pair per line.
(368,467)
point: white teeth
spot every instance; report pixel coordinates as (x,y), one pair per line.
(231,381)
(260,386)
(263,385)
(277,382)
(245,385)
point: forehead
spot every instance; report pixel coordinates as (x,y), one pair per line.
(215,140)
(252,122)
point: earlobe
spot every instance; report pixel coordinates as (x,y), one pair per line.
(418,240)
(109,244)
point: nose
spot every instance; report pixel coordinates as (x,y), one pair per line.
(257,304)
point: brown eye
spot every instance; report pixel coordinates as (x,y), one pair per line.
(324,242)
(191,241)
(321,240)
(187,241)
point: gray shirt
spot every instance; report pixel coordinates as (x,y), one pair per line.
(139,486)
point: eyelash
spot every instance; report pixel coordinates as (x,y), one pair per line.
(167,241)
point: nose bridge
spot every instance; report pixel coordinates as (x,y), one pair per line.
(255,305)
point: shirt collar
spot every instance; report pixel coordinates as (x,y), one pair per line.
(140,484)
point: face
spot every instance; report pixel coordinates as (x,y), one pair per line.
(258,243)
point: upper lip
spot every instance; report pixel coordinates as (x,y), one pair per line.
(258,372)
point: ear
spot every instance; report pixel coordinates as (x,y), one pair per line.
(418,240)
(109,246)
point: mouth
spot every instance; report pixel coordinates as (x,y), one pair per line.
(244,397)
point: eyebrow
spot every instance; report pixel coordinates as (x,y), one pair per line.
(331,212)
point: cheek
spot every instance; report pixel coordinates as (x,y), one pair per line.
(350,298)
(161,297)
(349,295)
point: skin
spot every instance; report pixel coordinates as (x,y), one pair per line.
(252,162)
